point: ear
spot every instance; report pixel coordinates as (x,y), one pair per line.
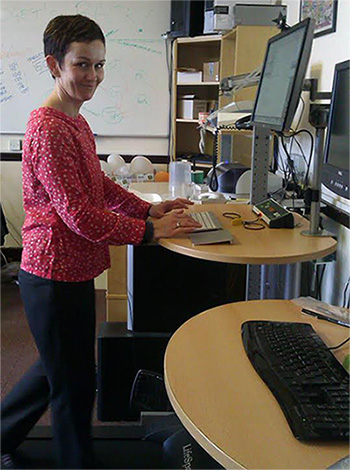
(53,65)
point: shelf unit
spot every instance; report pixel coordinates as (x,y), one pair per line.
(239,51)
(191,53)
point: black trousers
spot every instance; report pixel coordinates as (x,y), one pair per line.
(61,317)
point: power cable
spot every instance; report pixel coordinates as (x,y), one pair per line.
(306,131)
(340,345)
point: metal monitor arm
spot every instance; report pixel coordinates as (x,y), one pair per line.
(229,85)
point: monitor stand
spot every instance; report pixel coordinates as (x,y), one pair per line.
(315,185)
(318,118)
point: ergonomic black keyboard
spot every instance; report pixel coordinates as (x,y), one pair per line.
(310,385)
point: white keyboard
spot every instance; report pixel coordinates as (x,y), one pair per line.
(207,220)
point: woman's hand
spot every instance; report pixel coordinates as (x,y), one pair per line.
(159,210)
(173,224)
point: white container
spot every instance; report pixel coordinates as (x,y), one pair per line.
(180,180)
(189,109)
(189,77)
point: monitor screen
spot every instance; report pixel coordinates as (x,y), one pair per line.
(282,77)
(335,171)
(337,149)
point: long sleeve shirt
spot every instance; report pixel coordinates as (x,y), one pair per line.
(72,210)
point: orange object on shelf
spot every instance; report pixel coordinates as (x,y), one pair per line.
(161,176)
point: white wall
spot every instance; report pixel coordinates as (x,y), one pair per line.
(328,50)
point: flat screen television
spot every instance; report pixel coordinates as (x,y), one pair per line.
(335,170)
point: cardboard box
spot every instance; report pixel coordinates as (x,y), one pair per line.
(211,71)
(190,108)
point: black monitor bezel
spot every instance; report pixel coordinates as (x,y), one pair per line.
(331,174)
(299,77)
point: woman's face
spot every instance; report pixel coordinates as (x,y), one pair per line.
(82,70)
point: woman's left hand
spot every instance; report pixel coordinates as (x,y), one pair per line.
(159,210)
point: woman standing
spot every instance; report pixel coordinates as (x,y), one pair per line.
(73,213)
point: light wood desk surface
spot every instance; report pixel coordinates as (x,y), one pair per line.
(222,401)
(268,246)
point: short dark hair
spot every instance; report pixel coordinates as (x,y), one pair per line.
(62,30)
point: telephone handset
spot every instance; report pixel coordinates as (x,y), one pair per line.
(244,122)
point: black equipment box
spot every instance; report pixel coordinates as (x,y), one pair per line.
(165,289)
(273,214)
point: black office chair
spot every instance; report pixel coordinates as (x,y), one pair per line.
(179,449)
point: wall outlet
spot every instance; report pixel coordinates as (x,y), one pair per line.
(15,144)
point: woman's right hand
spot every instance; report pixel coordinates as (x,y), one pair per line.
(174,223)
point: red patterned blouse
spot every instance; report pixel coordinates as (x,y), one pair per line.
(72,210)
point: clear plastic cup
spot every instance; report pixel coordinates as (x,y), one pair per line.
(180,184)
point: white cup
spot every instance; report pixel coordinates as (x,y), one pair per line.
(180,184)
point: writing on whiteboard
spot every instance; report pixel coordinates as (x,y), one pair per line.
(18,77)
(39,63)
(133,99)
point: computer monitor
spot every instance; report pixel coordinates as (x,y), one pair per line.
(282,77)
(335,171)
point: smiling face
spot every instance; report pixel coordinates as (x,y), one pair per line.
(80,73)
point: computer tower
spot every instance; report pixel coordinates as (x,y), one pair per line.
(120,355)
(187,18)
(165,288)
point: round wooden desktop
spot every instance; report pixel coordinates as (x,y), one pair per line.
(222,401)
(268,246)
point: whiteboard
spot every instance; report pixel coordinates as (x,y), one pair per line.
(133,99)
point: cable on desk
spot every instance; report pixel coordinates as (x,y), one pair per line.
(340,345)
(236,219)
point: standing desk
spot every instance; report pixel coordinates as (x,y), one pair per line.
(268,246)
(222,401)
